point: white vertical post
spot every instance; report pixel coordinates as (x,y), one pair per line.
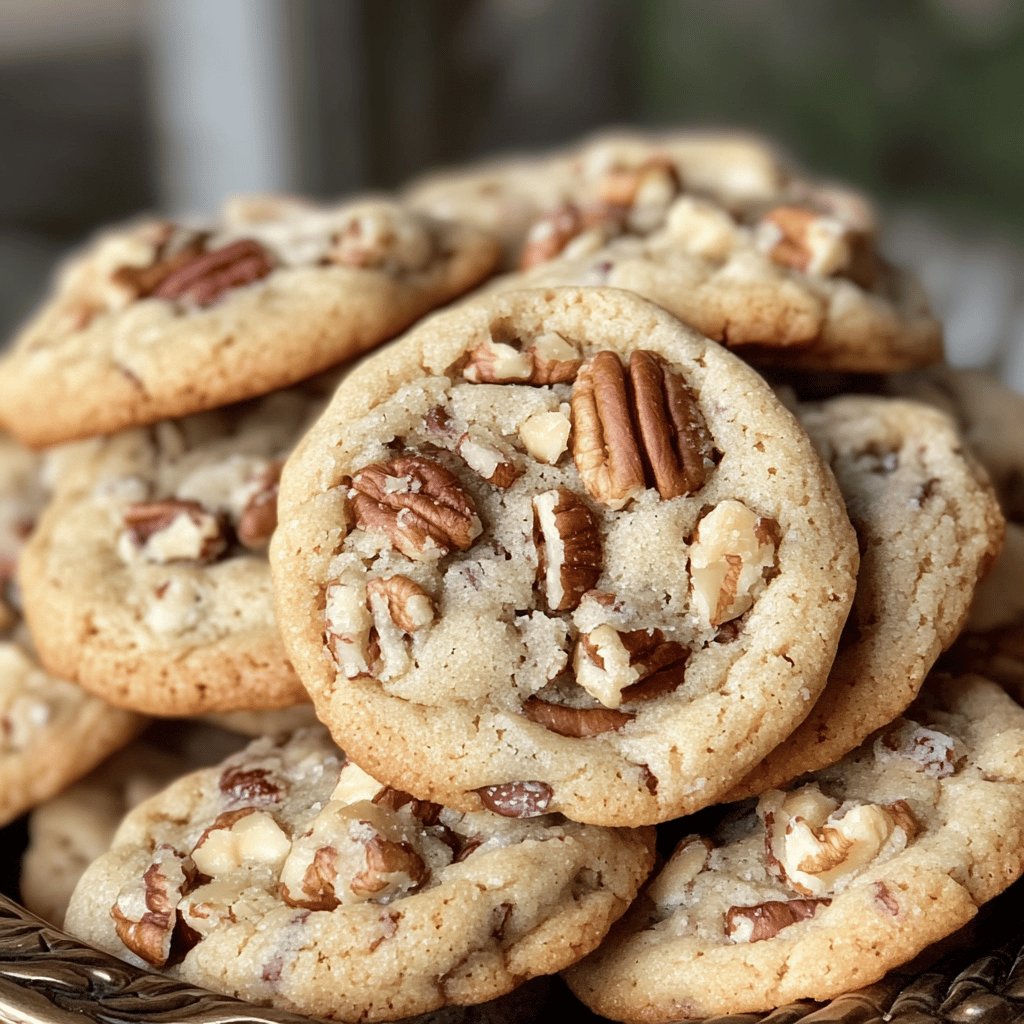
(221,97)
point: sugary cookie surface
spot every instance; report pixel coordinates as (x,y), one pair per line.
(855,870)
(289,876)
(573,535)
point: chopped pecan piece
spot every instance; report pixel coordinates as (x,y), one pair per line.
(766,920)
(640,664)
(655,181)
(171,530)
(576,722)
(817,243)
(550,235)
(690,857)
(732,555)
(144,914)
(545,435)
(488,462)
(389,864)
(317,886)
(252,785)
(173,248)
(673,435)
(568,548)
(548,359)
(934,753)
(243,836)
(417,504)
(517,799)
(409,606)
(423,810)
(206,277)
(258,520)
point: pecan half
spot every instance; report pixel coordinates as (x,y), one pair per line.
(568,544)
(258,520)
(174,248)
(766,920)
(417,504)
(604,443)
(517,799)
(673,435)
(576,722)
(171,530)
(206,277)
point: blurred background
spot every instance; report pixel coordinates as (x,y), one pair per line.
(108,107)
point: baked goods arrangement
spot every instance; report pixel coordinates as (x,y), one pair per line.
(578,564)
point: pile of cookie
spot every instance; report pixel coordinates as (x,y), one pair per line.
(644,615)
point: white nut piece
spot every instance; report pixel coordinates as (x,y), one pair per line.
(605,676)
(545,435)
(818,846)
(934,753)
(347,624)
(254,838)
(730,552)
(354,785)
(702,228)
(691,857)
(498,363)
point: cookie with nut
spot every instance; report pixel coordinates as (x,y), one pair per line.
(589,611)
(823,887)
(147,579)
(164,318)
(291,874)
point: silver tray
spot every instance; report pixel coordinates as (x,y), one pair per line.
(48,977)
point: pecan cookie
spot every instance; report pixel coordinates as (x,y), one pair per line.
(508,196)
(556,552)
(162,319)
(287,876)
(51,733)
(821,889)
(928,525)
(147,579)
(989,416)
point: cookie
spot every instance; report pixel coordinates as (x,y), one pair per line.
(51,733)
(557,552)
(989,416)
(285,876)
(795,283)
(821,889)
(928,525)
(147,579)
(506,196)
(161,319)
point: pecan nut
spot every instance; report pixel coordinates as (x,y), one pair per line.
(258,520)
(568,541)
(575,722)
(517,799)
(651,433)
(933,753)
(690,857)
(766,920)
(655,182)
(173,248)
(417,504)
(172,530)
(206,277)
(488,462)
(389,864)
(637,665)
(549,236)
(547,359)
(145,913)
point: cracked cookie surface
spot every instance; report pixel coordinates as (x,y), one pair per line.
(147,579)
(555,551)
(287,876)
(51,732)
(161,319)
(823,888)
(929,526)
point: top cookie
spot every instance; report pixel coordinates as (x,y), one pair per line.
(514,570)
(160,319)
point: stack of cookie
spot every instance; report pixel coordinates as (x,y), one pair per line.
(621,649)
